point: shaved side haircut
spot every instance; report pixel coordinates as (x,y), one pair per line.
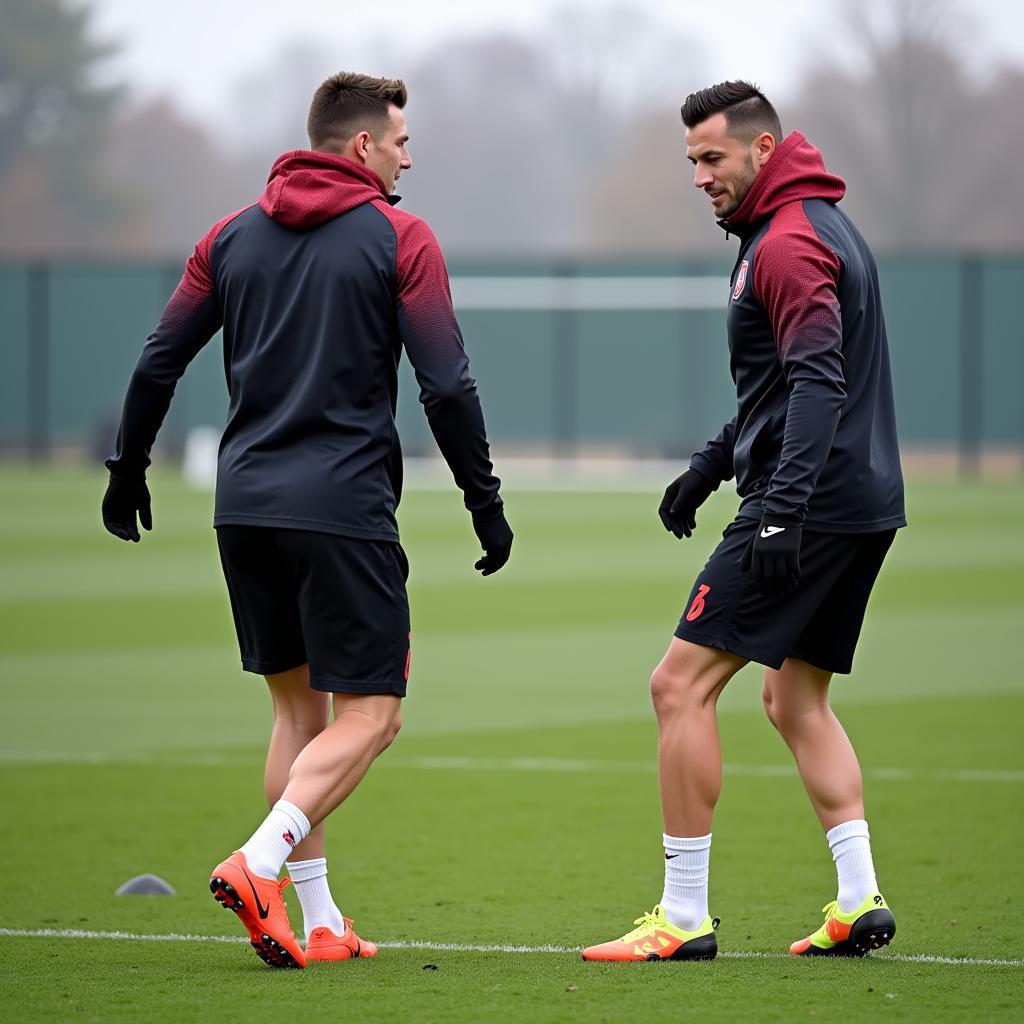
(348,103)
(747,110)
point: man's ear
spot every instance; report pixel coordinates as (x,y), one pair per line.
(763,147)
(362,145)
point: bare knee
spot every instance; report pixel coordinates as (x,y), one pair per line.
(388,721)
(298,709)
(770,705)
(679,685)
(668,690)
(780,711)
(790,714)
(380,716)
(690,677)
(304,721)
(390,730)
(301,727)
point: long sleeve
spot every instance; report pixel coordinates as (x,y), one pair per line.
(433,341)
(715,461)
(189,320)
(796,276)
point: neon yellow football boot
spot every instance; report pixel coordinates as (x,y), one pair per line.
(869,926)
(655,938)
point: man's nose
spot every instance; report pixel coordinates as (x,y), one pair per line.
(702,177)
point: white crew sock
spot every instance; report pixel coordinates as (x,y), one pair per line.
(318,907)
(851,850)
(268,848)
(685,899)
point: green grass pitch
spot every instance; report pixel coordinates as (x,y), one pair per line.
(519,806)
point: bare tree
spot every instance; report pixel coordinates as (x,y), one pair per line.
(643,201)
(53,124)
(563,142)
(175,176)
(911,131)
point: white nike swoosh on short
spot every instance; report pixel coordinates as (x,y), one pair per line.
(770,531)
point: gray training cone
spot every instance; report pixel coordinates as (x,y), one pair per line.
(146,885)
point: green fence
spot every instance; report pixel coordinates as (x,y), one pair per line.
(559,370)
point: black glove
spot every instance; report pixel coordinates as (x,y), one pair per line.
(123,499)
(678,509)
(773,555)
(495,538)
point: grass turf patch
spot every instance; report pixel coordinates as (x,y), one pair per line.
(543,831)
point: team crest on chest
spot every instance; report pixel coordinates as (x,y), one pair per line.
(741,279)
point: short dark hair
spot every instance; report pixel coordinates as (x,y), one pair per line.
(747,110)
(348,103)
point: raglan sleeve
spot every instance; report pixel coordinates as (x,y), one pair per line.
(431,337)
(189,320)
(796,277)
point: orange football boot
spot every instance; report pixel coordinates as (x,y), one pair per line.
(656,938)
(325,945)
(260,907)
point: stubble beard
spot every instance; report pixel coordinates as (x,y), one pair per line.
(743,183)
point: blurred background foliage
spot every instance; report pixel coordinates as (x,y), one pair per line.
(563,141)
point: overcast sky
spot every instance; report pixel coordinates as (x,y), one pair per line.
(197,50)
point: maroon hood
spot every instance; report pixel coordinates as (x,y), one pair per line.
(795,171)
(305,188)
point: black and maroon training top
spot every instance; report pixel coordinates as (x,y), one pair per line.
(318,288)
(814,436)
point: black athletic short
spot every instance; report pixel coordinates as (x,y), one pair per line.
(338,603)
(819,622)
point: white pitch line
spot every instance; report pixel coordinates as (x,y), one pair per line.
(455,947)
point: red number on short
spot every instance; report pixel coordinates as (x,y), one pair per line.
(698,603)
